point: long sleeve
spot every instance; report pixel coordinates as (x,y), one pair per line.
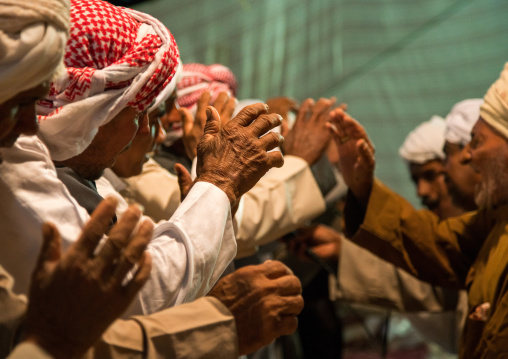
(189,252)
(282,201)
(439,252)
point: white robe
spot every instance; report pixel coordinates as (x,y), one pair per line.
(189,252)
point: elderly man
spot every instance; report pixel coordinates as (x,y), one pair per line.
(275,206)
(423,151)
(465,252)
(66,330)
(188,259)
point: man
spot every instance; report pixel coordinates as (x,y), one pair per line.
(423,151)
(464,252)
(67,330)
(188,260)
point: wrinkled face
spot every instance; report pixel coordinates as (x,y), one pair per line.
(110,141)
(488,156)
(17,115)
(130,163)
(430,184)
(460,177)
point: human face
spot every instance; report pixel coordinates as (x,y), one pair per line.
(130,163)
(488,157)
(17,115)
(429,180)
(460,177)
(172,120)
(110,141)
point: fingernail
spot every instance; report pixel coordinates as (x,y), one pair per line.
(278,120)
(266,107)
(281,139)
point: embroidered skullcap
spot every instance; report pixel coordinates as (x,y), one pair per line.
(461,120)
(425,142)
(115,58)
(32,41)
(494,109)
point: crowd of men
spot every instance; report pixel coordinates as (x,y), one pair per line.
(130,182)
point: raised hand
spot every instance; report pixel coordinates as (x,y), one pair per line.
(234,156)
(264,299)
(74,297)
(310,136)
(283,106)
(324,241)
(193,128)
(356,153)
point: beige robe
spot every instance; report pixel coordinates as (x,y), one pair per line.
(201,329)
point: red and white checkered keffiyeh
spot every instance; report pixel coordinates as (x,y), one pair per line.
(115,57)
(198,78)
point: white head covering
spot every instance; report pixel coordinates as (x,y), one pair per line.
(33,34)
(494,110)
(425,142)
(115,58)
(461,120)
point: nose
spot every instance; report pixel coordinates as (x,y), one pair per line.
(423,188)
(465,155)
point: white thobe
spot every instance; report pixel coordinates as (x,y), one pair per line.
(189,252)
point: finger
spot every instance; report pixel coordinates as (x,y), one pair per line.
(187,121)
(213,124)
(96,227)
(288,325)
(304,112)
(133,251)
(203,102)
(228,110)
(184,180)
(343,106)
(119,237)
(248,114)
(51,250)
(287,285)
(275,159)
(274,269)
(292,305)
(265,123)
(220,101)
(366,153)
(321,110)
(141,276)
(271,140)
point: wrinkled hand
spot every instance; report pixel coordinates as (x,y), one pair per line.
(264,299)
(193,128)
(356,153)
(74,297)
(324,242)
(310,136)
(233,156)
(283,106)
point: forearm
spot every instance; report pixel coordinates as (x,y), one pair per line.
(282,201)
(190,252)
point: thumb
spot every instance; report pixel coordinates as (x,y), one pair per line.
(213,125)
(187,120)
(51,250)
(184,180)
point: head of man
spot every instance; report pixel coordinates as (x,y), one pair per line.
(194,80)
(423,151)
(487,152)
(115,70)
(460,177)
(32,38)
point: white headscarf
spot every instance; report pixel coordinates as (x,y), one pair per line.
(425,142)
(461,120)
(33,34)
(494,110)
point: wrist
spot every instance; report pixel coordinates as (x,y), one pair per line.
(224,183)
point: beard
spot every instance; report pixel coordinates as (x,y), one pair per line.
(491,191)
